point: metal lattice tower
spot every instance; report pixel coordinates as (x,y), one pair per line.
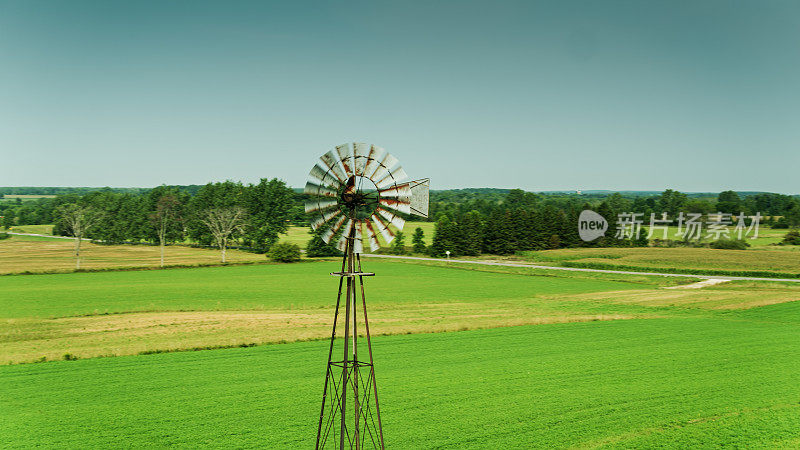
(353,187)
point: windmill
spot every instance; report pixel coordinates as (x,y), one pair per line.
(357,192)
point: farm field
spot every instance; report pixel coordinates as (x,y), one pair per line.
(42,254)
(766,235)
(769,260)
(117,313)
(34,229)
(728,380)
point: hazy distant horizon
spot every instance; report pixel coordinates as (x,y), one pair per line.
(583,191)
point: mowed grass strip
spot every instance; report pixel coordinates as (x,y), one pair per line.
(680,382)
(734,295)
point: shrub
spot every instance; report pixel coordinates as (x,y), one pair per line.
(730,244)
(791,238)
(284,252)
(4,236)
(70,357)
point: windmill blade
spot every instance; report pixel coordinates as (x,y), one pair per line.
(324,218)
(346,158)
(331,162)
(395,177)
(323,176)
(342,244)
(373,240)
(358,246)
(328,234)
(387,234)
(419,197)
(387,162)
(373,161)
(360,151)
(397,221)
(319,205)
(399,190)
(319,190)
(402,205)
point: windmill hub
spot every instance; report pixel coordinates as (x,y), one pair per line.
(359,198)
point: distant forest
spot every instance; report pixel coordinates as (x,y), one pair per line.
(468,221)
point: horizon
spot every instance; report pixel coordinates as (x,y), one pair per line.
(545,191)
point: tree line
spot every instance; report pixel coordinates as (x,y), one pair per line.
(218,214)
(529,221)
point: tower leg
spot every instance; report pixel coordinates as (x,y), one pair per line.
(330,354)
(360,429)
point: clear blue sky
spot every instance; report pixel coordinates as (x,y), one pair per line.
(693,95)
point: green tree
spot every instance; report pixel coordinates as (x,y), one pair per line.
(417,240)
(269,207)
(470,234)
(398,246)
(670,202)
(212,195)
(498,238)
(729,202)
(445,237)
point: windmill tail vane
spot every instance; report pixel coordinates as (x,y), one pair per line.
(357,192)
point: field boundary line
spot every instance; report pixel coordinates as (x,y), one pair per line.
(580,269)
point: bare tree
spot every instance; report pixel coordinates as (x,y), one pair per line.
(78,220)
(165,215)
(223,223)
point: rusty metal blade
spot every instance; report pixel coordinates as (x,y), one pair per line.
(328,234)
(319,190)
(360,152)
(396,176)
(383,228)
(373,240)
(401,205)
(323,176)
(324,218)
(319,204)
(373,160)
(346,158)
(331,161)
(383,168)
(397,221)
(400,190)
(358,246)
(341,245)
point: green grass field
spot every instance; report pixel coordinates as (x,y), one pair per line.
(34,229)
(769,261)
(115,313)
(676,382)
(467,356)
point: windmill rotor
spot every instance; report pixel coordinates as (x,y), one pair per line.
(362,187)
